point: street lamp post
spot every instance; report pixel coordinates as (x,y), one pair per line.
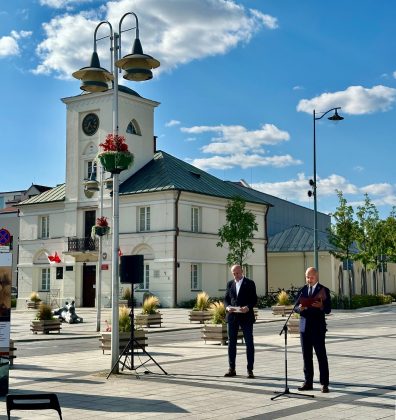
(137,66)
(312,183)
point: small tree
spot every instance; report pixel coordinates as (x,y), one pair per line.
(238,231)
(342,233)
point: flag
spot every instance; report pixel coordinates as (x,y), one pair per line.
(54,258)
(119,252)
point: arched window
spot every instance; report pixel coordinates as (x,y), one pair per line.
(133,128)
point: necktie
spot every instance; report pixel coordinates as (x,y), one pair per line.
(310,291)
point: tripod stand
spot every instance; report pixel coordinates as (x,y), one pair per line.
(284,330)
(131,346)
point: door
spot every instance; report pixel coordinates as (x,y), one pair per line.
(90,219)
(89,283)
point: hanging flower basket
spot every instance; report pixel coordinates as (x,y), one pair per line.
(101,228)
(116,162)
(115,157)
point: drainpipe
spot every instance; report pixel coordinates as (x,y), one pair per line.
(175,262)
(266,249)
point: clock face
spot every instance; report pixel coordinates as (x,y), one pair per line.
(90,124)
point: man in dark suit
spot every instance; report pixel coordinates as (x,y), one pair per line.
(240,299)
(313,304)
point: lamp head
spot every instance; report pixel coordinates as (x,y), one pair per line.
(137,66)
(336,117)
(94,78)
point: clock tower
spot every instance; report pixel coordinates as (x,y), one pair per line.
(89,121)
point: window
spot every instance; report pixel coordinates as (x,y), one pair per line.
(248,271)
(45,279)
(44,227)
(146,278)
(144,219)
(195,277)
(133,128)
(194,219)
(91,170)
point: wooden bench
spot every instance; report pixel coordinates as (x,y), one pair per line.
(32,402)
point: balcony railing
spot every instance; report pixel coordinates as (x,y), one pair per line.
(82,244)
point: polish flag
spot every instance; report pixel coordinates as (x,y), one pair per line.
(54,258)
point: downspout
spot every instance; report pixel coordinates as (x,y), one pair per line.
(266,249)
(175,262)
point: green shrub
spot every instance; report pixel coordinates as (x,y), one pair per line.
(202,302)
(44,312)
(218,312)
(13,302)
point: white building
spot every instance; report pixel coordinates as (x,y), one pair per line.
(170,212)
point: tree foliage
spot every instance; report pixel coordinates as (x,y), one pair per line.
(238,231)
(343,231)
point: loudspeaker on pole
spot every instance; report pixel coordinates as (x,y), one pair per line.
(131,269)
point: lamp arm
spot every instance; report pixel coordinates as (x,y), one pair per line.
(120,31)
(111,39)
(325,113)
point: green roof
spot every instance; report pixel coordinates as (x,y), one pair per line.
(298,239)
(165,173)
(51,196)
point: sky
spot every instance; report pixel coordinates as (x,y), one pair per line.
(238,84)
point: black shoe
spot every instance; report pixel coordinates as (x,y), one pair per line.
(305,387)
(325,389)
(230,373)
(250,374)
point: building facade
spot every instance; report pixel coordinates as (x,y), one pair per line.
(170,213)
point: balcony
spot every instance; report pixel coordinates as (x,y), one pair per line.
(83,249)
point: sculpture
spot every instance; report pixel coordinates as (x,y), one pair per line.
(68,313)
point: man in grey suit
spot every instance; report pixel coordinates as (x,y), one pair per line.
(240,299)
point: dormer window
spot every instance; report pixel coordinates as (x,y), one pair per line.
(133,128)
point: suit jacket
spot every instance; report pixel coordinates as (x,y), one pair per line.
(247,296)
(315,317)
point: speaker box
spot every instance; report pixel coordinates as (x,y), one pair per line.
(131,269)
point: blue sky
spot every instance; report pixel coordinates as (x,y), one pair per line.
(237,84)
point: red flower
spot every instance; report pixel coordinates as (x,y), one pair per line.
(102,221)
(114,144)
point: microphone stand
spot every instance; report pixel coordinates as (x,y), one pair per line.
(284,330)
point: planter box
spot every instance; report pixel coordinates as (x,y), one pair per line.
(123,302)
(199,316)
(33,305)
(148,320)
(282,309)
(293,326)
(217,332)
(105,339)
(46,326)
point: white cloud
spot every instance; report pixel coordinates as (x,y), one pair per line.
(379,189)
(394,74)
(172,123)
(62,4)
(236,137)
(296,190)
(355,100)
(235,146)
(243,161)
(358,168)
(169,31)
(298,87)
(9,44)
